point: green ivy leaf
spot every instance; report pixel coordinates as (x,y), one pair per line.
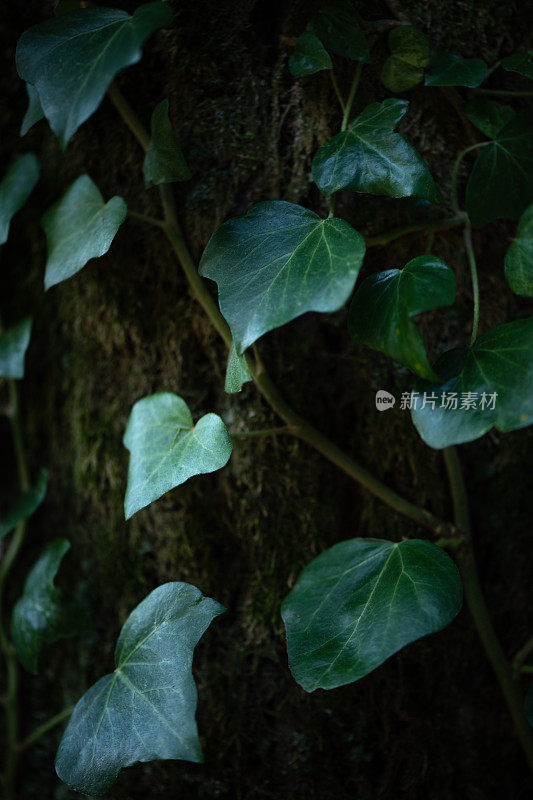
(13,345)
(34,112)
(519,257)
(501,182)
(409,55)
(26,504)
(337,27)
(500,361)
(448,70)
(164,161)
(360,602)
(277,262)
(489,117)
(310,56)
(383,306)
(167,448)
(44,613)
(15,189)
(370,157)
(72,59)
(237,372)
(146,708)
(520,62)
(80,226)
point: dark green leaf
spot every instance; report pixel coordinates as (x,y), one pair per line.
(370,157)
(25,505)
(309,56)
(519,257)
(363,600)
(521,63)
(167,448)
(164,161)
(15,189)
(496,374)
(72,59)
(79,227)
(409,55)
(277,262)
(489,117)
(337,27)
(448,70)
(383,306)
(34,111)
(237,372)
(13,345)
(146,708)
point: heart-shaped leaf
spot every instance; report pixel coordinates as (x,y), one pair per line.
(44,613)
(448,70)
(167,448)
(13,345)
(15,189)
(337,27)
(25,505)
(146,708)
(409,55)
(237,372)
(277,262)
(164,161)
(520,62)
(309,56)
(501,182)
(382,309)
(489,385)
(519,257)
(34,112)
(79,227)
(489,117)
(370,157)
(363,600)
(72,59)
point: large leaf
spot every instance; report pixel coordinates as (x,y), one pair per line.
(488,116)
(277,262)
(237,372)
(370,157)
(383,306)
(337,27)
(25,505)
(521,63)
(15,189)
(501,182)
(489,385)
(363,600)
(72,59)
(13,345)
(80,226)
(34,112)
(44,613)
(448,70)
(145,709)
(167,448)
(409,55)
(519,257)
(164,161)
(309,56)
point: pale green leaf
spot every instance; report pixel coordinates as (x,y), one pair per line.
(488,116)
(13,345)
(164,161)
(521,63)
(15,189)
(409,55)
(337,26)
(519,257)
(25,505)
(449,70)
(34,112)
(309,57)
(237,372)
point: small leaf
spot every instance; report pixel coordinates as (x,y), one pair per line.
(237,372)
(25,505)
(164,161)
(44,614)
(520,62)
(496,374)
(370,157)
(360,602)
(79,227)
(277,262)
(519,257)
(448,70)
(309,56)
(489,117)
(146,708)
(409,55)
(13,345)
(72,59)
(34,112)
(167,448)
(337,27)
(15,189)
(383,306)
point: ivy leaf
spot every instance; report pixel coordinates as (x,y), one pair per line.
(167,448)
(80,226)
(72,59)
(360,602)
(13,345)
(383,306)
(277,262)
(409,55)
(164,161)
(15,189)
(44,613)
(370,157)
(520,62)
(519,257)
(448,70)
(26,504)
(34,112)
(146,708)
(309,56)
(495,374)
(337,27)
(237,372)
(501,182)
(489,117)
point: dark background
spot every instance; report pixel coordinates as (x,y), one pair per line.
(429,723)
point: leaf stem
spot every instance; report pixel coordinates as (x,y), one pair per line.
(158,223)
(504,92)
(455,172)
(39,732)
(337,90)
(521,656)
(351,96)
(397,233)
(260,433)
(469,246)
